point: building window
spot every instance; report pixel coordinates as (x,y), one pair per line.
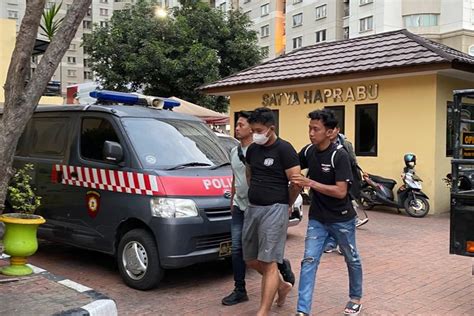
(321,36)
(297,42)
(34,59)
(265,9)
(420,20)
(71,73)
(298,19)
(104,23)
(265,50)
(321,12)
(12,14)
(71,60)
(366,24)
(87,24)
(366,130)
(88,75)
(72,47)
(89,12)
(297,1)
(104,1)
(345,34)
(346,8)
(265,31)
(86,62)
(104,12)
(339,113)
(223,7)
(363,2)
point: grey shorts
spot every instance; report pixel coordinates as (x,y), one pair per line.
(264,232)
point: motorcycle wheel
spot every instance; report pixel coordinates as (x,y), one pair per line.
(417,207)
(364,203)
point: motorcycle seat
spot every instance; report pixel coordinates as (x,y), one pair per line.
(389,183)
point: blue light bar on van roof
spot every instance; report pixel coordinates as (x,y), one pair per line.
(132,99)
(113,96)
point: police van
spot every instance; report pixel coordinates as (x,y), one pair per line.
(132,179)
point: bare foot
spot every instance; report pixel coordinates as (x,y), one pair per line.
(283,290)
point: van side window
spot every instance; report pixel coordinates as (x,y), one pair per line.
(48,136)
(94,132)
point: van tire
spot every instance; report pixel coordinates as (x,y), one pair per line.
(138,248)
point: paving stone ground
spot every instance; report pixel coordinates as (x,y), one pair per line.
(37,295)
(407,271)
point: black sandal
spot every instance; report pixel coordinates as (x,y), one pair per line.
(352,308)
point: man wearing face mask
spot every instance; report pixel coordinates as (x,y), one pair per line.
(271,161)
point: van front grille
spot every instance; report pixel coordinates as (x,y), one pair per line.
(212,241)
(217,212)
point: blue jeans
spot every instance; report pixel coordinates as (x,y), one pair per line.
(316,237)
(238,263)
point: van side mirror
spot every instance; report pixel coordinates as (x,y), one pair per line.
(112,152)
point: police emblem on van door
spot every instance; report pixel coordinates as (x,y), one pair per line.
(268,162)
(93,203)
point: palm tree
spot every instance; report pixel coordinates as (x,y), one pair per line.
(49,23)
(49,26)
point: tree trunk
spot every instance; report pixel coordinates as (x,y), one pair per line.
(21,100)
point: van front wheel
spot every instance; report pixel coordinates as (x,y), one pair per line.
(138,260)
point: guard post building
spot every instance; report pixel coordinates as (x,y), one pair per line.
(391,92)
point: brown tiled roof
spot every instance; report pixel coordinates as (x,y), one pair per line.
(395,49)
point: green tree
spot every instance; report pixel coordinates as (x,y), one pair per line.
(173,56)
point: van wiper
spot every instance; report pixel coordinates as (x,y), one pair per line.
(221,165)
(188,164)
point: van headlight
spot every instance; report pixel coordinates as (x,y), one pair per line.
(173,208)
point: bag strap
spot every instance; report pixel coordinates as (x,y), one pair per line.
(241,155)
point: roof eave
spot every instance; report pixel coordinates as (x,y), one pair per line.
(226,90)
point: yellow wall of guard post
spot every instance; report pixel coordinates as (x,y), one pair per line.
(7,44)
(411,118)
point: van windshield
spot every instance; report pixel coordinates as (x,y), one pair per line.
(173,144)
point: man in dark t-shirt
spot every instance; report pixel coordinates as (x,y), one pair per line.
(331,212)
(271,162)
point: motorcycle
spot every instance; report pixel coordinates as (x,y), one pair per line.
(376,190)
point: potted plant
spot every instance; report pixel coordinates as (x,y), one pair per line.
(19,239)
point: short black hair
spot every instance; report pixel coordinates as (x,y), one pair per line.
(244,114)
(327,117)
(263,116)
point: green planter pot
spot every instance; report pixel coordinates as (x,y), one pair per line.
(20,241)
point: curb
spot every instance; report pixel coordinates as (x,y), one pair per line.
(101,306)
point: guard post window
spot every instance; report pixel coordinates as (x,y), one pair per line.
(339,113)
(366,134)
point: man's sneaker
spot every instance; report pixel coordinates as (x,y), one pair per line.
(286,272)
(338,250)
(330,248)
(360,222)
(236,297)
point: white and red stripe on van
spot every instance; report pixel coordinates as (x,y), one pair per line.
(105,179)
(140,183)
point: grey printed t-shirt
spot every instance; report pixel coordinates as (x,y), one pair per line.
(241,196)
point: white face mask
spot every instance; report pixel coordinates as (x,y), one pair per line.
(260,139)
